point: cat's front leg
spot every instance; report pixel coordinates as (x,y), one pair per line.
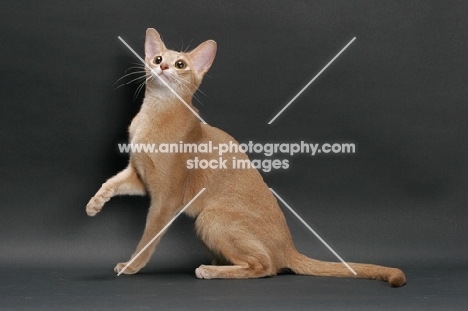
(159,215)
(120,268)
(96,203)
(125,182)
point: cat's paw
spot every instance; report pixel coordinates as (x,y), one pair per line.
(205,272)
(120,269)
(94,206)
(96,203)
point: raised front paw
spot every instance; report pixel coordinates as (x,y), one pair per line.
(121,266)
(96,203)
(94,206)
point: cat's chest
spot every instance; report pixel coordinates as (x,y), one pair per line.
(143,141)
(142,131)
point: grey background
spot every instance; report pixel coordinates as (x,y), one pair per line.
(398,92)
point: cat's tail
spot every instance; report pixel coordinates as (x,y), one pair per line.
(301,264)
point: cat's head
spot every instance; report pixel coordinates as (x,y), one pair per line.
(182,71)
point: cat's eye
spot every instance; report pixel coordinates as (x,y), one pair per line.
(158,60)
(180,64)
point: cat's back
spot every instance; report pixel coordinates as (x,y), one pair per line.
(237,173)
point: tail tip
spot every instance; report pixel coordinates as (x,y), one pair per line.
(397,278)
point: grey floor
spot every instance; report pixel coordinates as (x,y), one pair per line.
(98,288)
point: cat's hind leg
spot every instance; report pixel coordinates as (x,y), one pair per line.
(247,259)
(125,182)
(233,272)
(246,256)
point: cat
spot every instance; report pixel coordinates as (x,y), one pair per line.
(237,216)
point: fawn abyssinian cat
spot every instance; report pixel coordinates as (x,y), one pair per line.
(237,217)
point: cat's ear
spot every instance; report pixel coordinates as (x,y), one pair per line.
(153,44)
(203,56)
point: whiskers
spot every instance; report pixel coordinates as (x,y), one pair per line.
(142,78)
(139,74)
(184,50)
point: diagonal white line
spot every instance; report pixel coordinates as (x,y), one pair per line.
(160,232)
(160,79)
(313,231)
(310,82)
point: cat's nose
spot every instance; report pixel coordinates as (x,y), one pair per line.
(163,66)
